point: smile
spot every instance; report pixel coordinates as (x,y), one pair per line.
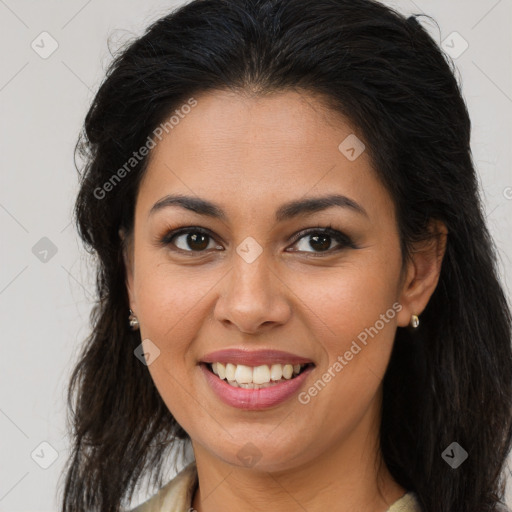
(255,396)
(256,377)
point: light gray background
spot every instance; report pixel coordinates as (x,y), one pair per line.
(45,305)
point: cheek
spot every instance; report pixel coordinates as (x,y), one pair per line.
(171,302)
(356,332)
(352,313)
(350,298)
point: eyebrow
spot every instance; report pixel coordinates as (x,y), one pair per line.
(285,212)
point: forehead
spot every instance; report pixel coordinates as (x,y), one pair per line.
(257,149)
(253,125)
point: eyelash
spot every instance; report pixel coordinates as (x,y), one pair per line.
(344,240)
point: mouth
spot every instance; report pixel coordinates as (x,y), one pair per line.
(256,377)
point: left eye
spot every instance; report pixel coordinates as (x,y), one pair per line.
(320,239)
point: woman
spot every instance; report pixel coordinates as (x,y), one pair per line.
(295,278)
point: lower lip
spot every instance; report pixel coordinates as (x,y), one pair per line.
(254,399)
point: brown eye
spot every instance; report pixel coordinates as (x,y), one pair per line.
(320,242)
(190,240)
(196,241)
(321,239)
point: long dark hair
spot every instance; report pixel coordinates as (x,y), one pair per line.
(448,381)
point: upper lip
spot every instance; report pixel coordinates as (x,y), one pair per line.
(253,357)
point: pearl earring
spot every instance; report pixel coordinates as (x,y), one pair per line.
(134,323)
(415,321)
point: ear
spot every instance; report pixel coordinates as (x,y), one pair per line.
(127,251)
(422,273)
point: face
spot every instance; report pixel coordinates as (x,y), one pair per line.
(261,277)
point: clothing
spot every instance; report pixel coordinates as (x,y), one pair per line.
(177,495)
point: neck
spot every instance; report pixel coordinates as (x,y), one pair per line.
(350,473)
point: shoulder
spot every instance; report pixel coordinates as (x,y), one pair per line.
(407,503)
(175,495)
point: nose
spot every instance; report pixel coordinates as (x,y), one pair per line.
(252,297)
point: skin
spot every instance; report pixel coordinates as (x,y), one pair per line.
(249,155)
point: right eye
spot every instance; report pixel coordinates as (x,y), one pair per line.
(191,239)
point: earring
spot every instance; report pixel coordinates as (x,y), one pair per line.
(134,323)
(415,321)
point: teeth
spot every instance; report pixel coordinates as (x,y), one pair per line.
(261,374)
(243,374)
(255,377)
(221,371)
(276,372)
(287,371)
(230,371)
